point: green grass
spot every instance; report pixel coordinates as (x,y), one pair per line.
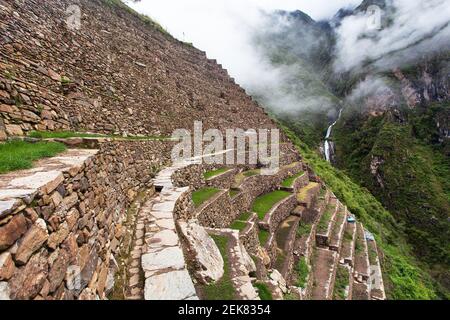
(322,226)
(233,192)
(263,291)
(404,277)
(263,236)
(264,203)
(303,229)
(222,289)
(252,173)
(202,195)
(238,225)
(290,181)
(241,176)
(213,173)
(302,270)
(72,134)
(341,283)
(302,194)
(18,155)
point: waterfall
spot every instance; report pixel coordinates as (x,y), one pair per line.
(327,145)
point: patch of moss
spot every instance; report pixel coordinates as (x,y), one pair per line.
(302,271)
(290,181)
(263,236)
(213,173)
(341,283)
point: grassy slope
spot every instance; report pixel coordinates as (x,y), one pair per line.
(404,277)
(222,289)
(264,203)
(415,179)
(202,195)
(17,155)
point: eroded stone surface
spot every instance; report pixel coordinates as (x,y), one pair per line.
(208,261)
(169,258)
(175,285)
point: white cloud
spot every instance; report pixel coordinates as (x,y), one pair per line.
(399,43)
(222,28)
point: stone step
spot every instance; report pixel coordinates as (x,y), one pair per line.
(326,223)
(337,232)
(285,236)
(348,244)
(324,263)
(307,195)
(162,261)
(361,269)
(377,291)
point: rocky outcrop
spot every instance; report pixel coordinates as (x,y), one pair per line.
(206,260)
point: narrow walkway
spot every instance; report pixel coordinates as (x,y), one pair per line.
(163,263)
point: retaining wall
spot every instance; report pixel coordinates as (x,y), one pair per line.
(60,236)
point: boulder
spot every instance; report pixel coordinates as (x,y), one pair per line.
(32,241)
(278,280)
(12,231)
(28,281)
(203,251)
(7,266)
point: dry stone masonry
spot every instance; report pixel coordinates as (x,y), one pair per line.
(115,218)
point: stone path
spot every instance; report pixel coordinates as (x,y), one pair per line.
(163,263)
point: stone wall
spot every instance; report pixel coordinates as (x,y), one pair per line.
(217,212)
(60,242)
(300,182)
(86,79)
(278,213)
(243,201)
(184,207)
(224,180)
(191,176)
(249,236)
(271,249)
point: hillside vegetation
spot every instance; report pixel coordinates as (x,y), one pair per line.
(404,277)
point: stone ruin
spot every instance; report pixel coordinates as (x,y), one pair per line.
(114,219)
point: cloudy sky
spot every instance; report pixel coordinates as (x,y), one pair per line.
(220,27)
